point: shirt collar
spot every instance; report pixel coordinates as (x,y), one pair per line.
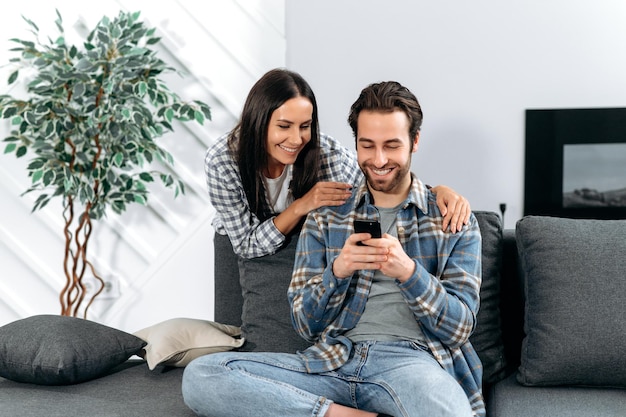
(418,195)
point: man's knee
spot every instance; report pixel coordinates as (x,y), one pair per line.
(445,394)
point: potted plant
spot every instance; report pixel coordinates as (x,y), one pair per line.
(89,121)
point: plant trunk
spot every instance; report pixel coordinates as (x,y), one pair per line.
(75,262)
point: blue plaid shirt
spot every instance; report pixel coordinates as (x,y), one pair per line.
(249,236)
(443,292)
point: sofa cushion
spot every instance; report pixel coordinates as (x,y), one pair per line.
(176,342)
(59,350)
(487,337)
(511,399)
(575,281)
(266,315)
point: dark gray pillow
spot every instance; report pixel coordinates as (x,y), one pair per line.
(487,337)
(59,350)
(266,315)
(575,283)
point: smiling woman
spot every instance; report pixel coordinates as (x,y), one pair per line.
(288,132)
(276,159)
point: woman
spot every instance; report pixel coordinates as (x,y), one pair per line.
(275,167)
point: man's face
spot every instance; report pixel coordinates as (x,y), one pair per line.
(384,150)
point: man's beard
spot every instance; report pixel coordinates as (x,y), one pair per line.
(389,184)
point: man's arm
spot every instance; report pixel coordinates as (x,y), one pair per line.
(446,303)
(316,295)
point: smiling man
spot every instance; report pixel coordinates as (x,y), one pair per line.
(390,319)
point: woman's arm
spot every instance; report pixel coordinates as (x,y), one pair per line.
(249,236)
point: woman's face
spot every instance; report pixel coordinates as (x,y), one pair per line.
(288,133)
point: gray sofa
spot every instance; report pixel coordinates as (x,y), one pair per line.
(572,362)
(565,279)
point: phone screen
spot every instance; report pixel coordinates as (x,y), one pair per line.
(367,226)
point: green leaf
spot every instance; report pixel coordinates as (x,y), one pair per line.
(118,206)
(21,151)
(31,23)
(37,175)
(9,111)
(116,32)
(30,118)
(141,88)
(169,115)
(206,110)
(103,37)
(79,90)
(199,116)
(10,148)
(68,185)
(145,176)
(59,21)
(48,177)
(50,128)
(17,120)
(36,164)
(140,199)
(167,180)
(118,159)
(13,76)
(41,202)
(83,65)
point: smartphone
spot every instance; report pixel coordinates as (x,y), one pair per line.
(367,226)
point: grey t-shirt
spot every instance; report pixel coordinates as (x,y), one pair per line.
(387,316)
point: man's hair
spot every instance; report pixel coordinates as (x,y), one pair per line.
(248,140)
(385,97)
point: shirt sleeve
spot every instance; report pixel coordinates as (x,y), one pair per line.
(249,236)
(447,304)
(338,163)
(315,294)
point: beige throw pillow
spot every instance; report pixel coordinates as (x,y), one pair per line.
(176,342)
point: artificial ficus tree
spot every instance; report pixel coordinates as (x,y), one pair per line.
(90,120)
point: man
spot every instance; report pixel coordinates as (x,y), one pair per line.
(389,317)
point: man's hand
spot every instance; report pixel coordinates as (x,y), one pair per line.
(398,264)
(385,254)
(354,257)
(454,208)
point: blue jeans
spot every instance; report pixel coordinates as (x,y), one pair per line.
(398,379)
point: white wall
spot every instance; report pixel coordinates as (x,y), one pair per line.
(475,66)
(160,257)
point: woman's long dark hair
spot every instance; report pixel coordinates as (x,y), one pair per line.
(248,140)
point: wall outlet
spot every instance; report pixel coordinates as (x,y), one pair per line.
(111,287)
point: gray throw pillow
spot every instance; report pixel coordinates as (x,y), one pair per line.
(575,319)
(487,336)
(266,315)
(59,350)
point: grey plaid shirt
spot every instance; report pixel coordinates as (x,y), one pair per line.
(249,236)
